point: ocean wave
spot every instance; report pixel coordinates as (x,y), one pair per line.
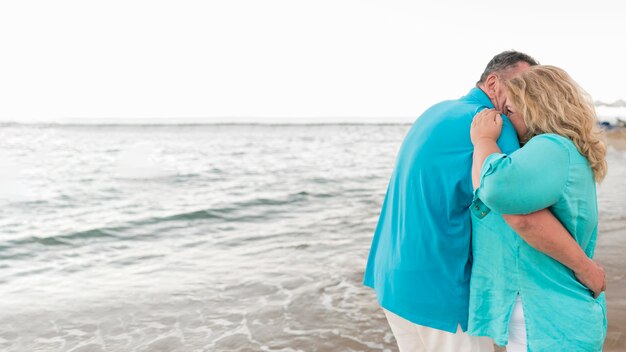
(254,209)
(69,239)
(234,211)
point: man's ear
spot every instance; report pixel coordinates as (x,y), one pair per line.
(490,85)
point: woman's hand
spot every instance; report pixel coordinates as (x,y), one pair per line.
(487,124)
(484,133)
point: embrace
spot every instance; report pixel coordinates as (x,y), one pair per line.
(490,220)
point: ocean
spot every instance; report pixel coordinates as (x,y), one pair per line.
(216,237)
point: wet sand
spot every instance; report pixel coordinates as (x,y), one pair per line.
(610,253)
(616,138)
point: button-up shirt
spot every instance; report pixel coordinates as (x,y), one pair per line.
(420,258)
(560,313)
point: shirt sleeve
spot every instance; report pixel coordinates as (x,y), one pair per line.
(530,179)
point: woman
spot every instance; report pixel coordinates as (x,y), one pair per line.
(519,296)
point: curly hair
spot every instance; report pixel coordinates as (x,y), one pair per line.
(550,101)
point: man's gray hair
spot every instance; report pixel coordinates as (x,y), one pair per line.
(504,61)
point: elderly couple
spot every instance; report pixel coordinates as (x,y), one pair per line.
(480,240)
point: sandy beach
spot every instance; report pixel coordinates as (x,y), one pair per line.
(610,253)
(616,138)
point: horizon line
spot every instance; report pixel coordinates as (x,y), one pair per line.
(201,123)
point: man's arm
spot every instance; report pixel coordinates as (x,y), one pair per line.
(545,233)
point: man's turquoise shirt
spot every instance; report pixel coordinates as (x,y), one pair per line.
(420,259)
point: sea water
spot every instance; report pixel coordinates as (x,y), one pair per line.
(202,237)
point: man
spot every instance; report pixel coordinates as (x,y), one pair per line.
(420,259)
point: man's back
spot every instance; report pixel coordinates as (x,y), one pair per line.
(419,263)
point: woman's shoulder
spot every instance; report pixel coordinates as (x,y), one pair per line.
(551,141)
(554,143)
(553,146)
(551,138)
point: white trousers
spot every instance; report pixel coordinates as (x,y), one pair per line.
(517,329)
(412,337)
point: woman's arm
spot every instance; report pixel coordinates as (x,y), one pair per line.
(530,179)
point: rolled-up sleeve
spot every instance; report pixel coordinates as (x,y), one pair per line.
(529,179)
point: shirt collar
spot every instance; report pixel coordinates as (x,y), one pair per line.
(479,96)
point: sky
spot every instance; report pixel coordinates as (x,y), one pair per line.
(287,59)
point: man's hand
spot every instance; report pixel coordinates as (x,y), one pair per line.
(593,276)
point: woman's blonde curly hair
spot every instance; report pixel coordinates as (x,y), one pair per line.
(550,101)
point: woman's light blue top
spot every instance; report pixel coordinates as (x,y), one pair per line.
(560,313)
